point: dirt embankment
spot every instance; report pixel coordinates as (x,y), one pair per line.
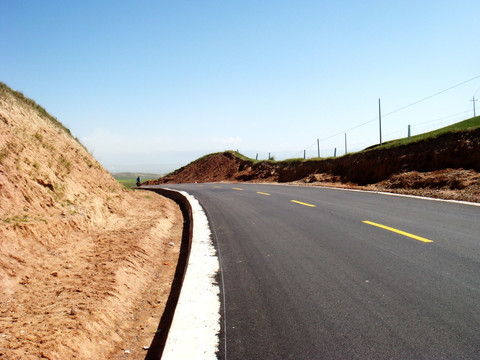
(451,150)
(85,265)
(219,167)
(445,167)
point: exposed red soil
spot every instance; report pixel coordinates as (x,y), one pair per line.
(454,184)
(444,167)
(219,167)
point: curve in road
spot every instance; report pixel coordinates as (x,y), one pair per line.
(322,273)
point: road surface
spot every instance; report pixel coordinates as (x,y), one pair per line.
(318,273)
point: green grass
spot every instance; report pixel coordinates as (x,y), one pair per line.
(16,219)
(128,183)
(129,180)
(4,153)
(465,125)
(243,157)
(272,159)
(295,161)
(41,111)
(254,161)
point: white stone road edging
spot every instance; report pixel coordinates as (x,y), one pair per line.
(196,322)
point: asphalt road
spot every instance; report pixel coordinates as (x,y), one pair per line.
(310,279)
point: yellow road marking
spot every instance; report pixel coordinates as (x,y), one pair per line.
(262,193)
(302,203)
(217,187)
(419,238)
(237,189)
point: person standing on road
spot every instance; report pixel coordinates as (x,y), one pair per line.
(138,181)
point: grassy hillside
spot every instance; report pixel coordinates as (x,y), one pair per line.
(468,124)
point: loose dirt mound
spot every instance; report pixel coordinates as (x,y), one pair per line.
(433,167)
(455,184)
(85,265)
(224,166)
(214,167)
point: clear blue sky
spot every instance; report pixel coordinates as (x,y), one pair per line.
(153,85)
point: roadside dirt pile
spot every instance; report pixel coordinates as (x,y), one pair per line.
(224,166)
(454,184)
(85,265)
(445,167)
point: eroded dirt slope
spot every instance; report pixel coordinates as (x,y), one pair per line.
(85,265)
(224,166)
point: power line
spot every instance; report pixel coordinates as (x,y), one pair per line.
(443,118)
(401,108)
(348,130)
(476,92)
(429,97)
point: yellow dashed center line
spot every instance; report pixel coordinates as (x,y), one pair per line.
(419,238)
(262,193)
(302,203)
(237,189)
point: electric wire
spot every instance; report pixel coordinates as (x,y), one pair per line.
(398,110)
(429,97)
(393,112)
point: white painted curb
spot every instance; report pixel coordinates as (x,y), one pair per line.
(194,333)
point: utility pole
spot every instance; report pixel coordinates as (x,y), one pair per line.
(345,143)
(380,120)
(304,154)
(318,147)
(474,100)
